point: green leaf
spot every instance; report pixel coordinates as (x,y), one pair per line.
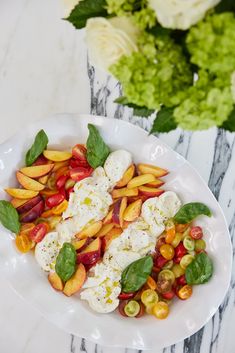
(9,216)
(164,121)
(190,211)
(87,9)
(39,145)
(97,150)
(229,124)
(200,270)
(138,111)
(66,262)
(225,6)
(136,274)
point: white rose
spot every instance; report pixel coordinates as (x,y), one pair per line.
(109,40)
(233,85)
(181,14)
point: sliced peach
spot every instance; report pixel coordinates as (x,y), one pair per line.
(18,202)
(26,228)
(155,184)
(32,214)
(140,180)
(37,171)
(59,165)
(125,224)
(90,230)
(151,169)
(150,192)
(80,244)
(132,211)
(115,231)
(29,204)
(143,198)
(57,156)
(75,283)
(116,193)
(91,254)
(105,229)
(55,281)
(118,211)
(106,241)
(48,192)
(108,218)
(43,180)
(28,183)
(21,193)
(127,176)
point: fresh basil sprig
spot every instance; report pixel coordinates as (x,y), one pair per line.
(190,211)
(9,216)
(97,150)
(66,262)
(200,270)
(136,274)
(39,145)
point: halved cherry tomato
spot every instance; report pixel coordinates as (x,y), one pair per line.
(168,295)
(69,184)
(48,192)
(23,243)
(185,292)
(126,296)
(180,228)
(26,228)
(74,163)
(62,191)
(161,310)
(58,210)
(61,171)
(54,200)
(181,280)
(163,285)
(38,232)
(141,312)
(167,251)
(69,192)
(196,232)
(160,261)
(151,283)
(60,182)
(79,152)
(180,251)
(161,241)
(170,235)
(80,173)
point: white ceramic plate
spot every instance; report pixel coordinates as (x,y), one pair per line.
(73,315)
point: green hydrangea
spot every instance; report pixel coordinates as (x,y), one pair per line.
(121,7)
(157,74)
(145,18)
(211,43)
(209,103)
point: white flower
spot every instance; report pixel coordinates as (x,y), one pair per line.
(109,40)
(181,14)
(233,85)
(69,5)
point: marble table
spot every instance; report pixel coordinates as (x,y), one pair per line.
(44,70)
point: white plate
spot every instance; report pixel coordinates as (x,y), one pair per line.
(73,315)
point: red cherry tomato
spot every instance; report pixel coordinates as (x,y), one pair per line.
(80,173)
(62,191)
(181,280)
(54,200)
(74,163)
(168,295)
(180,250)
(125,296)
(160,261)
(79,152)
(60,182)
(38,232)
(69,192)
(196,232)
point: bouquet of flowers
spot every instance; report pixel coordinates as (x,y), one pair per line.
(176,57)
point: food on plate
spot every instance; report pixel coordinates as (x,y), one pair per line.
(105,230)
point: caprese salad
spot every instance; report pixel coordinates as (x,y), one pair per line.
(103,227)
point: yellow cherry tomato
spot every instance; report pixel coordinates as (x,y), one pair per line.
(177,270)
(167,275)
(186,260)
(177,239)
(160,310)
(185,292)
(151,283)
(149,297)
(23,243)
(167,251)
(170,235)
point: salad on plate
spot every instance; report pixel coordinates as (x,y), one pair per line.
(103,228)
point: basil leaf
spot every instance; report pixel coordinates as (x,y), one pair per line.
(138,111)
(190,211)
(97,150)
(164,121)
(66,262)
(225,6)
(200,270)
(39,145)
(229,124)
(136,274)
(87,9)
(9,216)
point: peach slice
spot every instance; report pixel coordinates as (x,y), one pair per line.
(57,156)
(106,241)
(116,193)
(150,192)
(108,218)
(18,202)
(59,165)
(155,184)
(127,176)
(105,229)
(37,171)
(151,169)
(21,193)
(115,231)
(43,180)
(132,211)
(140,180)
(125,224)
(28,183)
(29,204)
(80,244)
(118,211)
(48,192)
(91,254)
(33,214)
(90,230)
(75,283)
(55,281)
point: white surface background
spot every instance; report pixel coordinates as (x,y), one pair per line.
(43,70)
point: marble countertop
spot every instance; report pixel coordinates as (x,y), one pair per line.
(44,70)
